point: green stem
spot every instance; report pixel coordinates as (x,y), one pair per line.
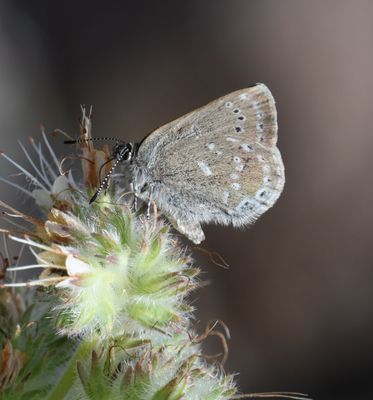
(68,377)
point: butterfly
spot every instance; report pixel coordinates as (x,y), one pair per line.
(217,164)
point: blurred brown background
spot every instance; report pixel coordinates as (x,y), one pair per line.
(298,297)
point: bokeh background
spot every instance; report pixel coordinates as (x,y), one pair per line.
(298,297)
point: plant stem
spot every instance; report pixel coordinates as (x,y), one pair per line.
(68,377)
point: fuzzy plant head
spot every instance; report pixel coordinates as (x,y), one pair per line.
(111,268)
(168,372)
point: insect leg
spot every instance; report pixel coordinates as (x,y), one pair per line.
(150,200)
(134,191)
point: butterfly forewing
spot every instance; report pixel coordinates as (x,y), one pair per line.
(222,156)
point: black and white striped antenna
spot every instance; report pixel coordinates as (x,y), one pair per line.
(122,151)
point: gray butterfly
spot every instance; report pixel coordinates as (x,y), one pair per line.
(217,164)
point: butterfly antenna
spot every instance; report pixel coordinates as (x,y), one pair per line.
(105,183)
(99,139)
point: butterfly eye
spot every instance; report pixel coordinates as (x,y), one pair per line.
(123,152)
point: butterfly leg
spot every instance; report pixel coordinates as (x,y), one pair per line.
(150,200)
(134,191)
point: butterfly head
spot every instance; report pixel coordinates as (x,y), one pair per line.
(123,151)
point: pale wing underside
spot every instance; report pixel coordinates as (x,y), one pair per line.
(252,109)
(220,158)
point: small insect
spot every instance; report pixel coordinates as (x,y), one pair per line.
(217,164)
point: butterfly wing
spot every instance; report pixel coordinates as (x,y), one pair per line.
(218,163)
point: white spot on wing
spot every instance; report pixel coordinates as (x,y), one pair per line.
(211,146)
(239,168)
(225,197)
(230,139)
(246,148)
(243,96)
(266,196)
(205,168)
(235,186)
(234,176)
(261,194)
(260,127)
